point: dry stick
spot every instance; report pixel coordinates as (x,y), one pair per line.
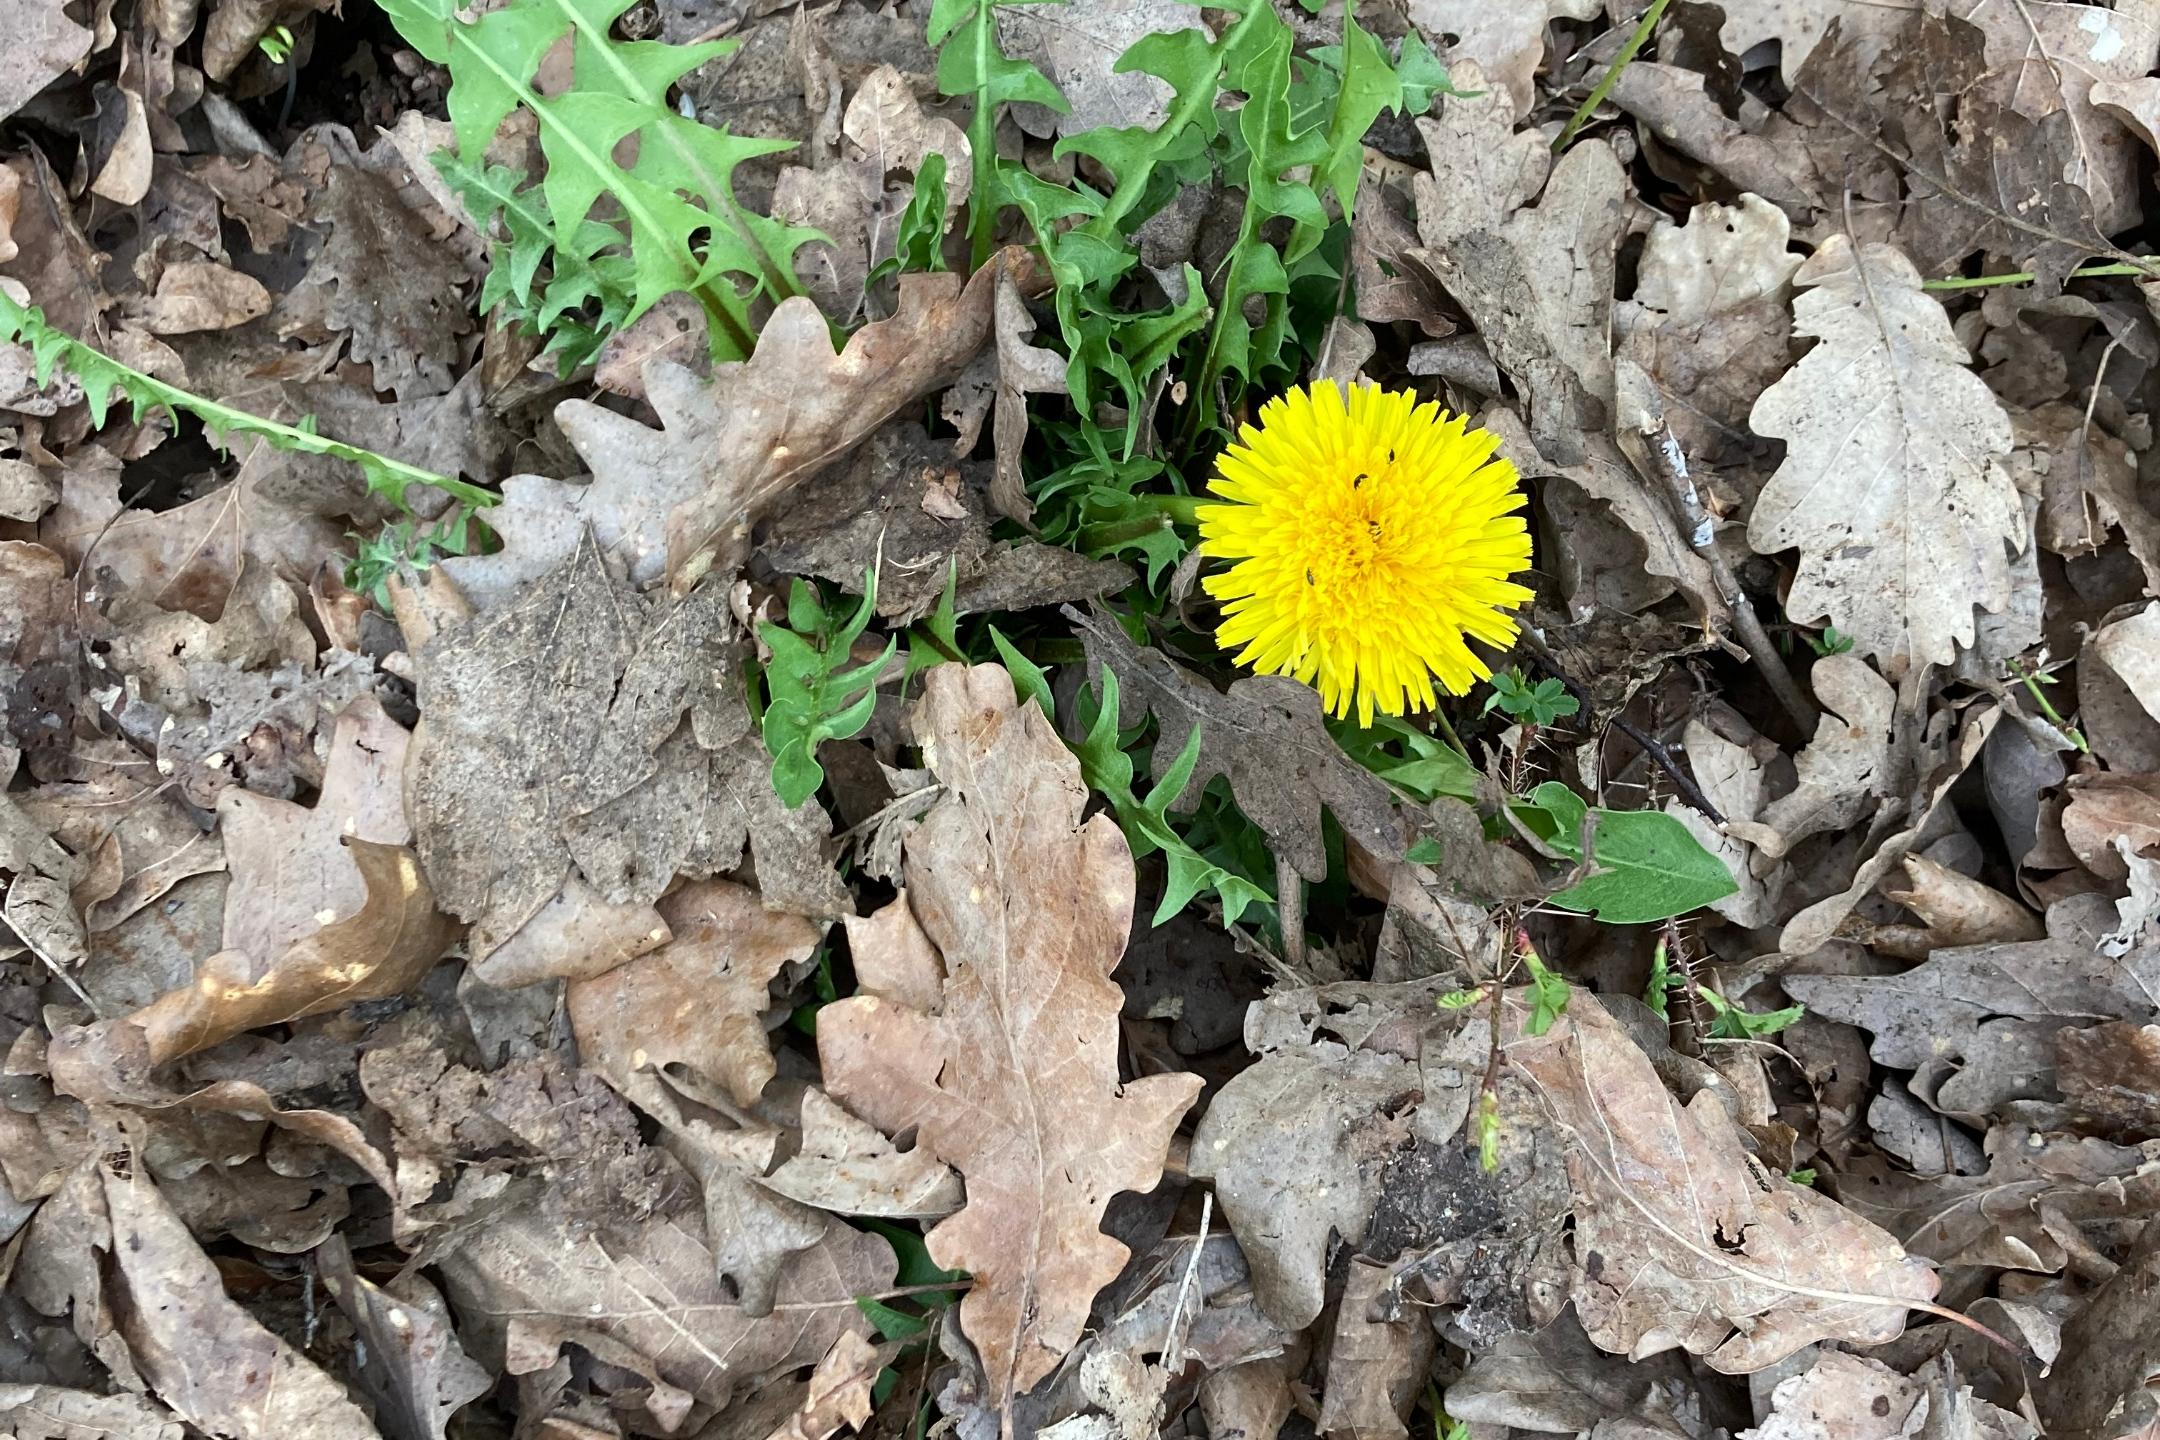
(1667,459)
(1290,910)
(1658,754)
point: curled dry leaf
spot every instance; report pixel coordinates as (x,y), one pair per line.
(1682,1237)
(1891,488)
(1014,1082)
(847,1166)
(382,949)
(795,406)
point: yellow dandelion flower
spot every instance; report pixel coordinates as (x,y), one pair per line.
(1368,537)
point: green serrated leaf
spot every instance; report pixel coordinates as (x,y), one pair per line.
(102,377)
(810,697)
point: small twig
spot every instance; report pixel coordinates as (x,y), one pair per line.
(1670,465)
(1173,1351)
(1683,783)
(1290,910)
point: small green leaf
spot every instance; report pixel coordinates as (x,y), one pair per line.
(1425,850)
(1734,1023)
(809,699)
(1649,865)
(1548,995)
(1460,999)
(1488,1130)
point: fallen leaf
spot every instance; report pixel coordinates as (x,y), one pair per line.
(48,1412)
(2110,1076)
(649,1298)
(44,44)
(848,1167)
(1265,735)
(1675,105)
(1978,1023)
(202,1354)
(794,406)
(197,295)
(698,1001)
(1556,1382)
(379,280)
(1682,1237)
(1848,1396)
(839,1392)
(1022,370)
(1959,910)
(1797,25)
(1506,41)
(1078,53)
(1844,768)
(380,950)
(2107,808)
(1030,909)
(1890,487)
(411,1364)
(1378,1367)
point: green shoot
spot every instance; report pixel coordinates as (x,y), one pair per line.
(401,543)
(918,246)
(810,698)
(1537,705)
(276,44)
(101,376)
(1733,1023)
(1832,641)
(1620,62)
(2033,678)
(1548,992)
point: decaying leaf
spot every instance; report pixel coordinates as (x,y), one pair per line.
(412,1367)
(1265,735)
(1891,487)
(846,1166)
(698,1001)
(1683,1238)
(1014,1082)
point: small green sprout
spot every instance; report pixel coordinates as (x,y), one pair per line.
(277,43)
(1538,704)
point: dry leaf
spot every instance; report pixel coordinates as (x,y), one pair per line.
(649,1298)
(847,1166)
(43,44)
(48,1412)
(2106,809)
(410,1364)
(204,1356)
(1978,1022)
(1022,370)
(1682,1237)
(1799,24)
(1265,735)
(1844,768)
(1014,1082)
(698,1001)
(1078,49)
(839,1391)
(1890,487)
(1506,41)
(380,950)
(1379,1365)
(794,407)
(197,295)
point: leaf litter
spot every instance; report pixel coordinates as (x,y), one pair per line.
(425,1014)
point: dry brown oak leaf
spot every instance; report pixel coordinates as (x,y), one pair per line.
(1015,1080)
(1682,1237)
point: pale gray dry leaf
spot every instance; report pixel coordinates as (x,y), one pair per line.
(1849,1397)
(2107,1395)
(381,281)
(1732,779)
(2131,648)
(1978,1023)
(847,1166)
(648,1298)
(1077,47)
(1677,107)
(1709,324)
(1682,1237)
(1506,41)
(1491,169)
(202,1354)
(1265,735)
(2088,483)
(1890,487)
(43,44)
(198,295)
(1014,1082)
(1798,24)
(48,1412)
(411,1364)
(1539,286)
(1554,1381)
(1295,1145)
(1844,768)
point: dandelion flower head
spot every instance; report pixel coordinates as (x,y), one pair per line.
(1369,538)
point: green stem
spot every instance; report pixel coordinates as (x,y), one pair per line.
(387,476)
(1203,398)
(722,306)
(2026,277)
(982,143)
(779,280)
(1620,62)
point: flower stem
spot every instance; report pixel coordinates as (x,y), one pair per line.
(1184,509)
(1620,62)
